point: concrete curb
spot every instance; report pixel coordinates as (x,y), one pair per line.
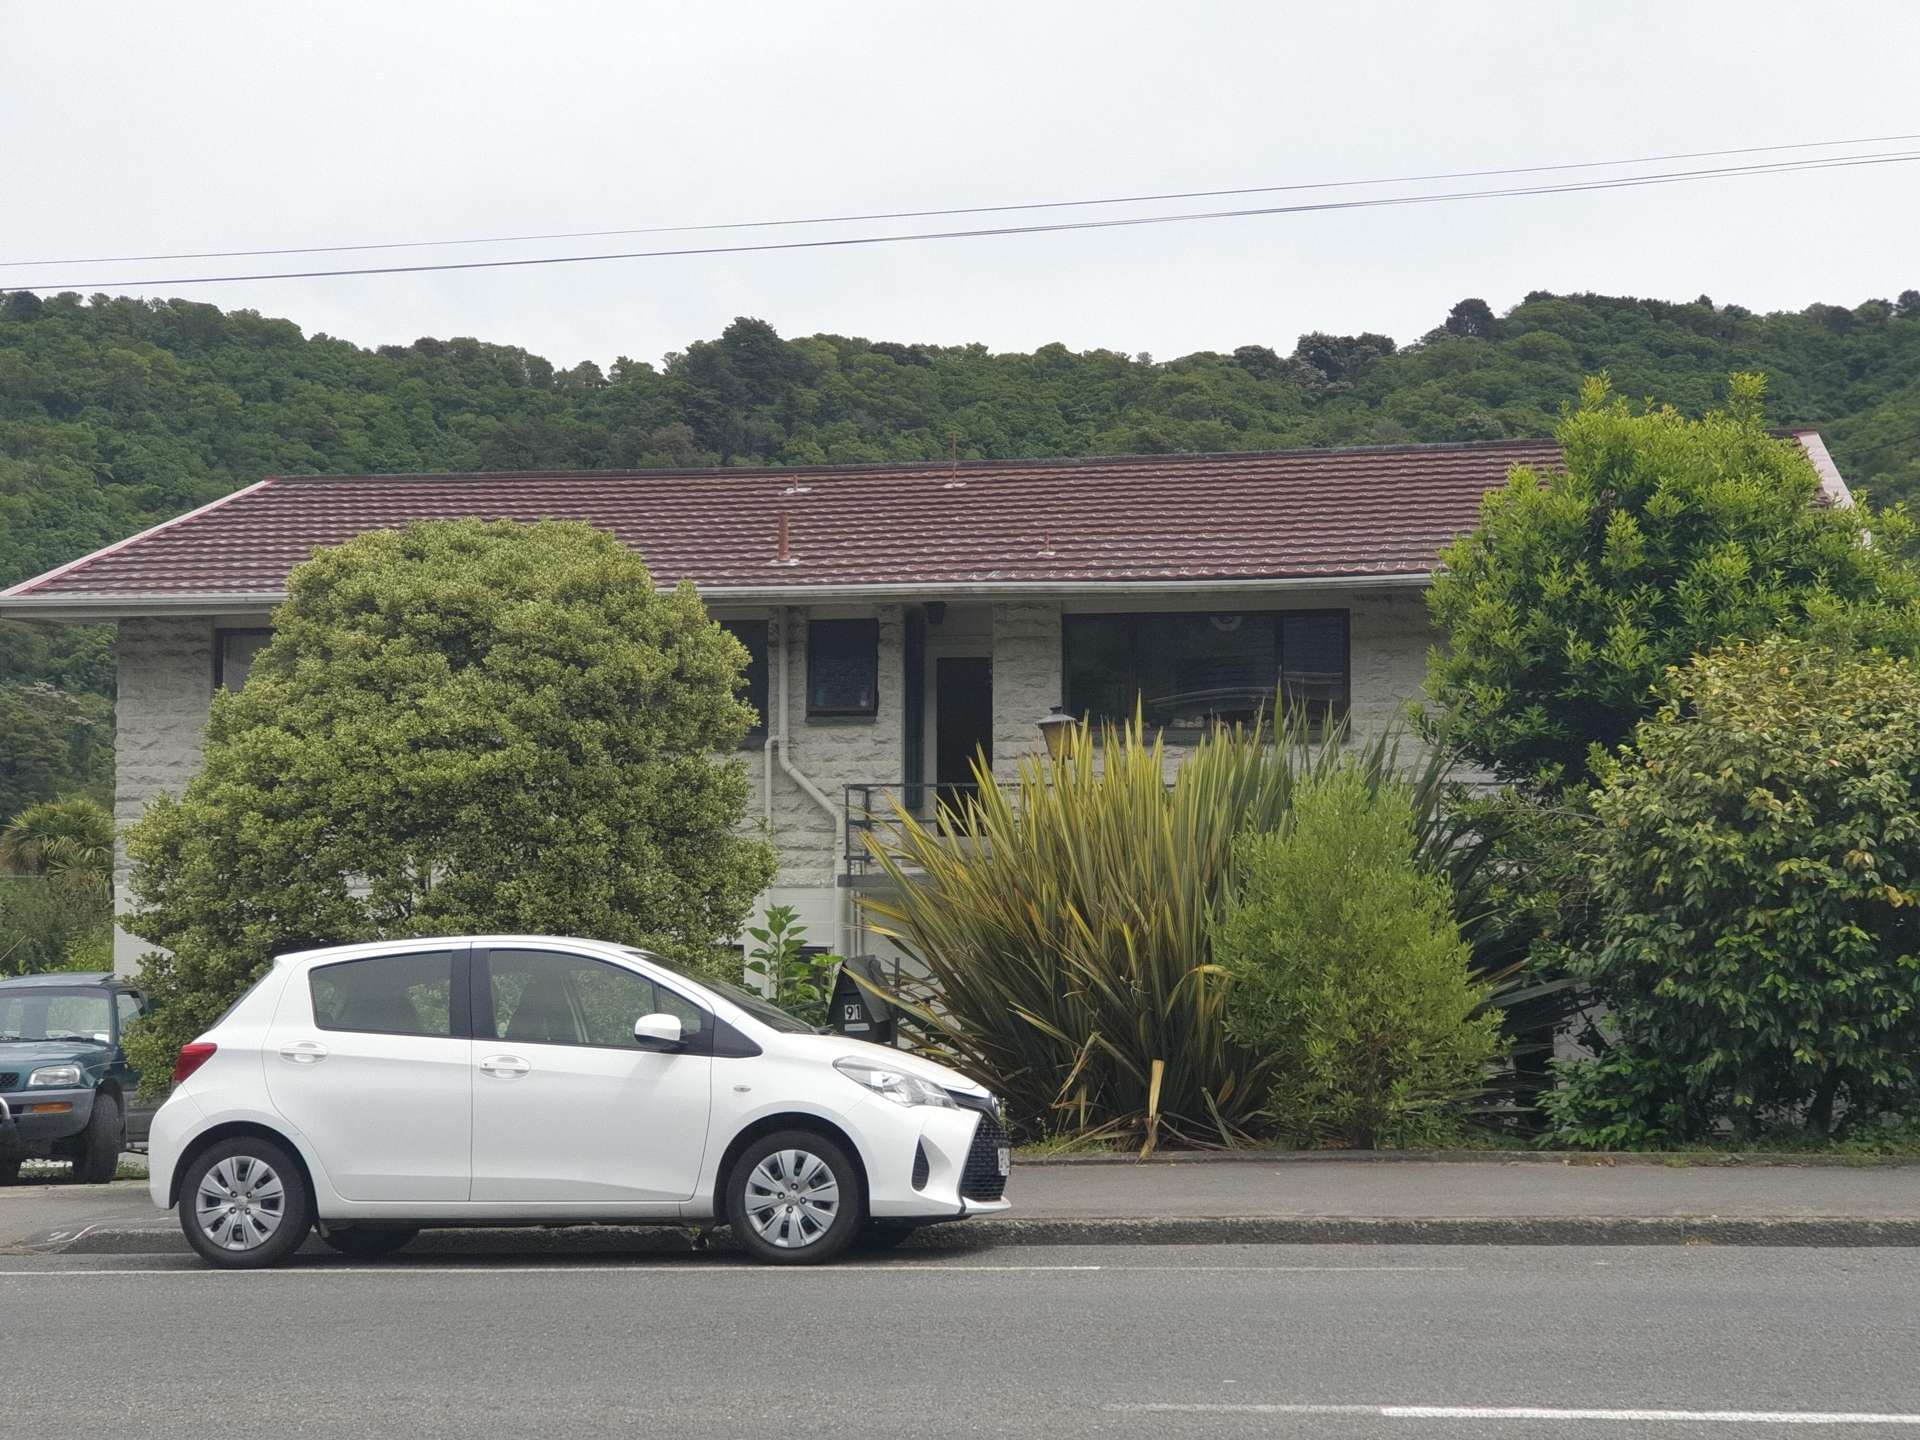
(1572,1159)
(1588,1230)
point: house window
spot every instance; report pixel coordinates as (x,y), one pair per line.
(843,667)
(753,682)
(1191,670)
(233,653)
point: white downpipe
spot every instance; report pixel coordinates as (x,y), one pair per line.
(777,737)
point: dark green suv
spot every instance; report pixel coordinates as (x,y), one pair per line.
(66,1090)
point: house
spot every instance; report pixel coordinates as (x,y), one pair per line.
(900,617)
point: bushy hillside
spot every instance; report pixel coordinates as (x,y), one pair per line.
(117,413)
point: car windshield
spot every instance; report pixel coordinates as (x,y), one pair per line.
(56,1013)
(758,1006)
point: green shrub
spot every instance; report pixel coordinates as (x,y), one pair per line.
(1659,536)
(1064,925)
(457,727)
(1349,976)
(1758,887)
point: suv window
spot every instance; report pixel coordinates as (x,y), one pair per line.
(544,997)
(50,1014)
(128,1006)
(387,995)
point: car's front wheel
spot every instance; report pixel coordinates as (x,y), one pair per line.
(244,1204)
(794,1198)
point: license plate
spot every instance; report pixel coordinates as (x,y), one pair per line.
(1006,1160)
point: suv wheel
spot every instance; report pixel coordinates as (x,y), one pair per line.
(794,1198)
(9,1171)
(96,1154)
(244,1204)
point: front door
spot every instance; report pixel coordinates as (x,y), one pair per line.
(364,1058)
(962,722)
(567,1109)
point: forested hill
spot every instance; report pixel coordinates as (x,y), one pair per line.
(118,413)
(115,414)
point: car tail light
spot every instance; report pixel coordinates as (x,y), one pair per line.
(193,1055)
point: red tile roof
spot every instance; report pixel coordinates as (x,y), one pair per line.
(1305,514)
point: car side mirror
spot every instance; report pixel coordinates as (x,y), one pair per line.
(657,1032)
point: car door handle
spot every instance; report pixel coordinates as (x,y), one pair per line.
(505,1065)
(304,1052)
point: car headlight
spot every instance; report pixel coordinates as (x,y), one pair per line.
(890,1084)
(55,1075)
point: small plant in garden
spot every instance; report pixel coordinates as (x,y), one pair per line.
(1758,882)
(797,982)
(1349,975)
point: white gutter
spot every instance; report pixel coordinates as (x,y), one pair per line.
(777,738)
(96,607)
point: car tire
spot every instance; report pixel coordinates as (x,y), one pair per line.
(9,1172)
(795,1198)
(96,1155)
(369,1242)
(244,1203)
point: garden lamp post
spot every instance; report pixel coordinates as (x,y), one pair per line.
(1062,733)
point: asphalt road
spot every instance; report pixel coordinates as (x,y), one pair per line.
(1123,1341)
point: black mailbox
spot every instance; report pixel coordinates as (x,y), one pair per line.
(857,1013)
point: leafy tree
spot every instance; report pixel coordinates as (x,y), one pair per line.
(458,727)
(1758,878)
(1472,317)
(1663,536)
(1349,974)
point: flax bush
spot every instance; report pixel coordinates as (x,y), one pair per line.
(1064,927)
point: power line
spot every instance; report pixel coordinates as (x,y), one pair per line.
(963,210)
(1783,167)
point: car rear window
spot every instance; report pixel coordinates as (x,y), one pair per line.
(386,995)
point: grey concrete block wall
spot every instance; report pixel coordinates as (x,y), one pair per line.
(1026,679)
(164,690)
(166,685)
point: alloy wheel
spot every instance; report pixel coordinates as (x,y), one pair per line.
(240,1203)
(792,1199)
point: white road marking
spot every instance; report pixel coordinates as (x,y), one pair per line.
(1537,1412)
(587,1266)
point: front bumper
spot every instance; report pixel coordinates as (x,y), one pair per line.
(32,1120)
(938,1163)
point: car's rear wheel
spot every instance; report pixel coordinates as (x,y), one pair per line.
(9,1172)
(794,1198)
(96,1153)
(244,1203)
(369,1242)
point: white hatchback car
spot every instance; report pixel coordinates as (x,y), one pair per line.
(519,1080)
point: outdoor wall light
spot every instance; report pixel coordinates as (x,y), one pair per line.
(1062,732)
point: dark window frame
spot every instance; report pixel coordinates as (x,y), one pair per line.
(756,680)
(867,629)
(220,637)
(458,1005)
(1194,732)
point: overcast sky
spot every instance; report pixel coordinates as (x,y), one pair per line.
(149,126)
